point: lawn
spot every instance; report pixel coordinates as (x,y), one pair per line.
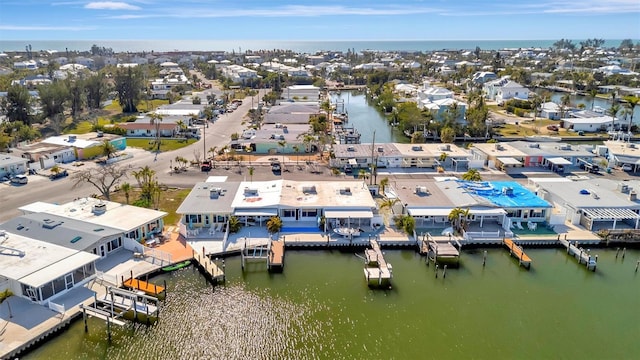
(165,144)
(84,127)
(142,105)
(169,201)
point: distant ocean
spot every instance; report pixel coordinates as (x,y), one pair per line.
(297,46)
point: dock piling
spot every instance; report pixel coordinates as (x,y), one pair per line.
(436,271)
(484,258)
(637,264)
(623,251)
(617,252)
(444,271)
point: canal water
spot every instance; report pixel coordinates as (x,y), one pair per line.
(603,103)
(320,308)
(366,119)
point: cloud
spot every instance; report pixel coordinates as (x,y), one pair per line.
(283,11)
(110,5)
(566,7)
(44,28)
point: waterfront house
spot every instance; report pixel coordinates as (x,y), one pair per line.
(555,156)
(502,156)
(135,222)
(270,138)
(206,210)
(301,93)
(12,165)
(256,201)
(590,124)
(291,113)
(143,126)
(39,270)
(550,110)
(595,204)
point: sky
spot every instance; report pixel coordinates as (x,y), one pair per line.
(319,20)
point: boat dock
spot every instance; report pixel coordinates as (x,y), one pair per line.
(148,288)
(209,267)
(377,271)
(276,255)
(517,252)
(271,251)
(581,254)
(440,251)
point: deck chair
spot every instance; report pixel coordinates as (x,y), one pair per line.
(519,225)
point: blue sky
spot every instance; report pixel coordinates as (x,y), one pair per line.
(319,20)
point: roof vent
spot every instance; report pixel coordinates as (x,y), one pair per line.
(99,209)
(534,145)
(214,193)
(351,148)
(345,191)
(416,148)
(380,149)
(250,192)
(309,190)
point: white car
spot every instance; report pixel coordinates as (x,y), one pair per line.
(626,167)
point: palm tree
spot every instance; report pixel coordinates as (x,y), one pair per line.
(212,151)
(383,184)
(251,170)
(181,127)
(108,149)
(613,111)
(472,175)
(282,144)
(146,179)
(363,174)
(4,297)
(56,169)
(632,101)
(126,187)
(458,218)
(592,95)
(274,224)
(234,224)
(389,203)
(296,148)
(156,119)
(565,101)
(405,222)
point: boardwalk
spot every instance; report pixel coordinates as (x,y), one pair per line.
(517,252)
(581,254)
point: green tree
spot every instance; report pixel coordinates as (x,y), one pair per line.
(447,135)
(296,149)
(251,171)
(283,145)
(96,90)
(53,98)
(146,178)
(17,104)
(128,85)
(405,223)
(234,224)
(108,149)
(591,94)
(274,224)
(631,103)
(472,175)
(156,120)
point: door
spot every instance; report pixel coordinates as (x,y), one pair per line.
(68,281)
(206,220)
(103,251)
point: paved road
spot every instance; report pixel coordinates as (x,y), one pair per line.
(41,188)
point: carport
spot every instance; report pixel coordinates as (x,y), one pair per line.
(627,160)
(507,162)
(591,216)
(558,164)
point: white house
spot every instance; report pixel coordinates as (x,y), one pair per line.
(589,124)
(504,89)
(550,110)
(11,165)
(301,93)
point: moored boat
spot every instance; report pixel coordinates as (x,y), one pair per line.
(543,138)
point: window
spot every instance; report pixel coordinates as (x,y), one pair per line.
(194,218)
(309,213)
(289,213)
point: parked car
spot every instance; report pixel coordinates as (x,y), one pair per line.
(59,175)
(19,179)
(553,128)
(626,167)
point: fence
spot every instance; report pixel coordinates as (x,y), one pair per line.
(56,307)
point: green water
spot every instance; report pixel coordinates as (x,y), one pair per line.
(320,308)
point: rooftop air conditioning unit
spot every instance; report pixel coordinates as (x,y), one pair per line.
(351,148)
(416,148)
(624,188)
(498,147)
(380,149)
(534,145)
(633,196)
(99,208)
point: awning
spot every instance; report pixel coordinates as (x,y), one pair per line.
(256,212)
(559,161)
(429,212)
(509,161)
(488,212)
(353,162)
(344,214)
(59,269)
(610,214)
(627,159)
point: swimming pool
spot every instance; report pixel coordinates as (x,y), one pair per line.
(519,197)
(295,229)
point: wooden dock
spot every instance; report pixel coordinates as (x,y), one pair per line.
(209,267)
(146,287)
(440,252)
(376,270)
(581,254)
(276,255)
(517,252)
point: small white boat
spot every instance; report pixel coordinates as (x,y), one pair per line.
(543,138)
(345,231)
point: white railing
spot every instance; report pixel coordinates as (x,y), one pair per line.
(108,278)
(56,307)
(481,235)
(163,257)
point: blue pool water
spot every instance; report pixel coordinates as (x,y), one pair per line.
(492,191)
(294,229)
